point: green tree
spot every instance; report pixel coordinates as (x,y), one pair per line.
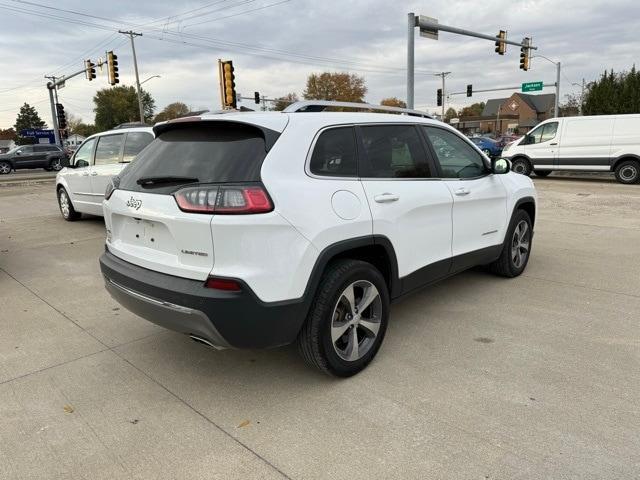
(613,93)
(283,102)
(450,113)
(85,129)
(393,102)
(28,118)
(171,111)
(117,105)
(473,110)
(341,87)
(571,107)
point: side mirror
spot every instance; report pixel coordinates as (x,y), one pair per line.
(500,166)
(80,164)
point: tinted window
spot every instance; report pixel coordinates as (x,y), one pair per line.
(334,154)
(82,157)
(108,149)
(456,157)
(24,150)
(134,144)
(212,152)
(393,151)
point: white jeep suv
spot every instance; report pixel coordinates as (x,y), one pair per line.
(253,230)
(80,187)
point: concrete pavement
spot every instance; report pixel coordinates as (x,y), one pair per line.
(479,377)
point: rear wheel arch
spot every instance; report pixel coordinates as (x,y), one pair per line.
(374,249)
(624,158)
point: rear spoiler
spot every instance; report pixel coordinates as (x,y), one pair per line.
(270,136)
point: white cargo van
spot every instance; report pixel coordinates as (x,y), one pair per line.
(606,143)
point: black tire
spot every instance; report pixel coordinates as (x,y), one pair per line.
(55,164)
(5,168)
(315,342)
(542,173)
(506,265)
(69,213)
(521,165)
(487,152)
(628,172)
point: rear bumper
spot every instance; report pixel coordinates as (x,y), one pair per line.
(225,319)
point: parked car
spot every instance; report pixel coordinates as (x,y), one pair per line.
(49,157)
(604,143)
(253,230)
(503,140)
(80,187)
(489,146)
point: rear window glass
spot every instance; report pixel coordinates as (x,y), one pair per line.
(335,153)
(211,152)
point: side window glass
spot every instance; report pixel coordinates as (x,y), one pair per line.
(456,157)
(26,150)
(134,144)
(393,151)
(334,154)
(549,131)
(108,149)
(82,157)
(534,136)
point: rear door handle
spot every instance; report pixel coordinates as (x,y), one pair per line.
(386,198)
(462,191)
(85,174)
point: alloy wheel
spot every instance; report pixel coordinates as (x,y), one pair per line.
(520,244)
(56,164)
(64,203)
(5,168)
(356,320)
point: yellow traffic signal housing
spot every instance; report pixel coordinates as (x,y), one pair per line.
(501,47)
(227,83)
(90,69)
(525,53)
(112,68)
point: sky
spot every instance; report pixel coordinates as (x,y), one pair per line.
(276,44)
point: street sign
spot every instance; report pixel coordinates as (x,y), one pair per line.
(454,121)
(531,86)
(431,33)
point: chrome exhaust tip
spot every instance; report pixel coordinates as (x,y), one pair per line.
(206,342)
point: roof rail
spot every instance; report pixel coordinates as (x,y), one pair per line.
(321,105)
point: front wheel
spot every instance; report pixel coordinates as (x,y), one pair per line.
(516,248)
(521,166)
(347,320)
(66,207)
(5,168)
(628,172)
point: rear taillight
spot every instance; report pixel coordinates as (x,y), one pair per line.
(223,284)
(224,199)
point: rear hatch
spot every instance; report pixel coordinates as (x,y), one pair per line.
(159,217)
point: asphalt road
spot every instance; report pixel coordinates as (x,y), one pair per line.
(479,377)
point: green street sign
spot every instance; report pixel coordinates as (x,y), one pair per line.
(531,86)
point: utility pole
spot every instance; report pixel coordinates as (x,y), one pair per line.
(132,34)
(410,60)
(582,98)
(556,109)
(444,92)
(54,113)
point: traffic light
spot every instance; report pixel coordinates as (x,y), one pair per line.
(501,47)
(112,68)
(524,54)
(90,69)
(62,116)
(439,97)
(256,97)
(469,90)
(227,84)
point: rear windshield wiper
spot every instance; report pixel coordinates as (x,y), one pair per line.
(149,181)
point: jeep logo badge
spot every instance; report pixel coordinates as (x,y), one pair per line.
(134,203)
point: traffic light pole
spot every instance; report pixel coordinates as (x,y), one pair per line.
(444,92)
(430,27)
(132,34)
